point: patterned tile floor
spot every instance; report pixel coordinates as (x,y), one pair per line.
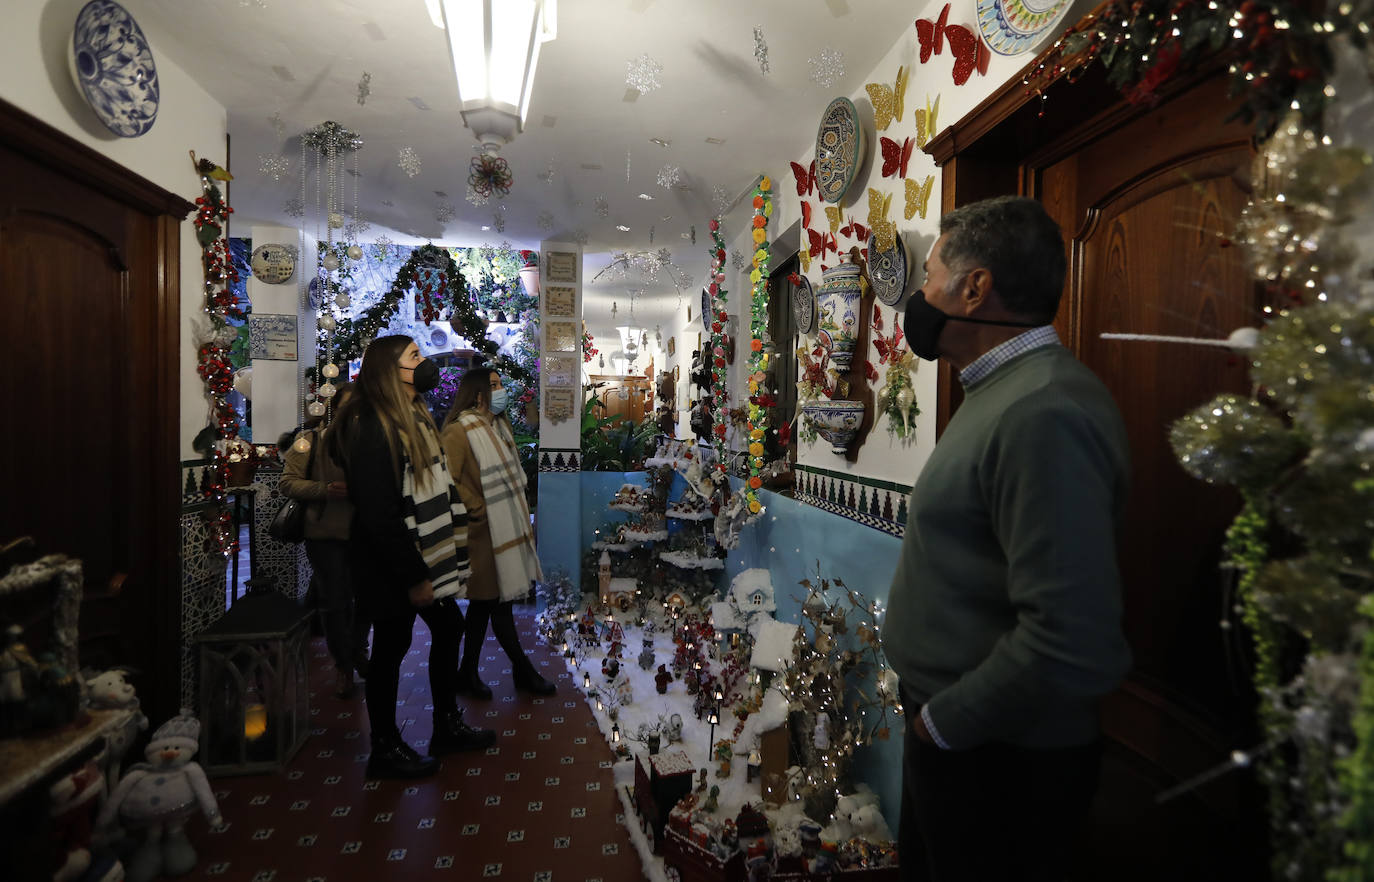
(539,806)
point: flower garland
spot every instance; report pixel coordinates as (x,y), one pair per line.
(760,399)
(588,344)
(719,316)
(213,356)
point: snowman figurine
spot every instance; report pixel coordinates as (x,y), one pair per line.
(159,796)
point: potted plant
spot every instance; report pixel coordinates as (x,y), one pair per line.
(529,272)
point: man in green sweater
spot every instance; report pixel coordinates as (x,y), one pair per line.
(1004,620)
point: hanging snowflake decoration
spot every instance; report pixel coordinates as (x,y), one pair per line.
(668,176)
(498,221)
(738,260)
(547,174)
(364,87)
(382,245)
(827,68)
(278,126)
(581,237)
(490,175)
(760,49)
(409,161)
(603,208)
(545,221)
(355,228)
(444,213)
(475,197)
(721,197)
(295,207)
(642,74)
(273,166)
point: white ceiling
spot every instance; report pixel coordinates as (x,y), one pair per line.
(303,61)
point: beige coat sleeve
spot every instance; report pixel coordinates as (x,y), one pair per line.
(294,481)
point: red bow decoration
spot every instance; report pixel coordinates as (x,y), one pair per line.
(821,243)
(896,156)
(806,178)
(970,52)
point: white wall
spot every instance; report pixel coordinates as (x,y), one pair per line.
(35,76)
(277,402)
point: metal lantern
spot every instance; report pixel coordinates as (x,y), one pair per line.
(254,697)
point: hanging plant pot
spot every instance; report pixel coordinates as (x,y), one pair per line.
(240,474)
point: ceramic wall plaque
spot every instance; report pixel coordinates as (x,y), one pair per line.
(560,336)
(560,301)
(559,370)
(562,266)
(272,337)
(839,149)
(558,404)
(114,68)
(274,264)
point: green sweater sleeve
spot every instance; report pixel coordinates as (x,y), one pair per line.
(1050,479)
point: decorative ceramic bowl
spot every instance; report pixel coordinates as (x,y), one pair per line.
(839,149)
(1011,27)
(114,68)
(835,421)
(888,270)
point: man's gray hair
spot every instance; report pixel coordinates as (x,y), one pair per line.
(1016,240)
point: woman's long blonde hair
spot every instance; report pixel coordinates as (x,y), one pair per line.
(398,409)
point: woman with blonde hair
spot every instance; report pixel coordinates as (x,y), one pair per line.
(481,451)
(408,547)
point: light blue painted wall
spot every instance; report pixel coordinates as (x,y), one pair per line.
(558,524)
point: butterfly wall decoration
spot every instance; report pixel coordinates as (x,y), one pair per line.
(884,230)
(896,156)
(926,126)
(806,178)
(918,196)
(835,215)
(887,100)
(820,243)
(806,214)
(855,230)
(966,45)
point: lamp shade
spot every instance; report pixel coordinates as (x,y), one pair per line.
(494,46)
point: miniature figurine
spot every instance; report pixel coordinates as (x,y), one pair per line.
(646,654)
(701,783)
(662,679)
(110,690)
(712,799)
(724,754)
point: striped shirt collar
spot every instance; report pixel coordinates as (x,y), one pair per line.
(999,355)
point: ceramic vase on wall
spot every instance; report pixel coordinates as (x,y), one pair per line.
(836,421)
(838,302)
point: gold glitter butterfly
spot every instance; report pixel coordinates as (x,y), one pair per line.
(805,256)
(918,196)
(925,121)
(887,100)
(884,230)
(835,216)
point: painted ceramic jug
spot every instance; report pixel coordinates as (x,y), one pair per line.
(838,301)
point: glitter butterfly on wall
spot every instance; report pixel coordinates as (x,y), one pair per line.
(806,214)
(888,346)
(887,100)
(884,230)
(855,230)
(835,216)
(821,243)
(806,178)
(918,196)
(926,126)
(967,46)
(895,156)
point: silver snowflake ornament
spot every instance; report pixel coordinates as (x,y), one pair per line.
(581,237)
(547,174)
(476,198)
(273,166)
(408,161)
(721,197)
(444,213)
(364,87)
(642,73)
(603,208)
(545,221)
(498,221)
(355,228)
(295,207)
(827,68)
(668,176)
(760,49)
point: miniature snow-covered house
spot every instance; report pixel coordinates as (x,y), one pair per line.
(750,595)
(619,593)
(772,643)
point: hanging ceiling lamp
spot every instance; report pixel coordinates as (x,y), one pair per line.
(494,46)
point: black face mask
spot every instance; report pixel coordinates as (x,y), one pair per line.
(923,324)
(425,376)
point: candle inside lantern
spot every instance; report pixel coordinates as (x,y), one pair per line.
(254,721)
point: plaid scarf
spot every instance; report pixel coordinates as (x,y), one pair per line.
(437,520)
(503,490)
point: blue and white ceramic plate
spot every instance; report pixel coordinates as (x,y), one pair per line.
(804,307)
(114,68)
(888,271)
(1011,27)
(839,149)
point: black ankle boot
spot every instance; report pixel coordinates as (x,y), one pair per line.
(469,683)
(529,680)
(452,734)
(393,758)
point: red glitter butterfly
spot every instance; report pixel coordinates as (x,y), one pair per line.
(806,214)
(806,179)
(931,34)
(970,53)
(896,156)
(821,243)
(855,229)
(889,346)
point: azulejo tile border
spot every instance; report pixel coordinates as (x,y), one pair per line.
(869,501)
(560,459)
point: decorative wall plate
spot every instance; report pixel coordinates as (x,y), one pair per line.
(839,149)
(1011,27)
(804,307)
(274,264)
(888,270)
(114,68)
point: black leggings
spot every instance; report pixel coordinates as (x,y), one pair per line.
(391,641)
(502,619)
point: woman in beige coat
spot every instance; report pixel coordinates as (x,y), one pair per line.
(482,457)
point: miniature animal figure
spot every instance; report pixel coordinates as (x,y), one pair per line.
(110,690)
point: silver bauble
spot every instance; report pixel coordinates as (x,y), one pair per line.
(330,370)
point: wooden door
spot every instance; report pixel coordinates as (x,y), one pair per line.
(88,463)
(1144,197)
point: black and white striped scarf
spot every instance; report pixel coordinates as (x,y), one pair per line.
(437,520)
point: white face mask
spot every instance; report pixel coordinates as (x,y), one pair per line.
(499,400)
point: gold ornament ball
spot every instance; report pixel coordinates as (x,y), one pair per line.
(355,253)
(328,322)
(328,390)
(336,220)
(330,370)
(316,408)
(301,444)
(330,261)
(342,300)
